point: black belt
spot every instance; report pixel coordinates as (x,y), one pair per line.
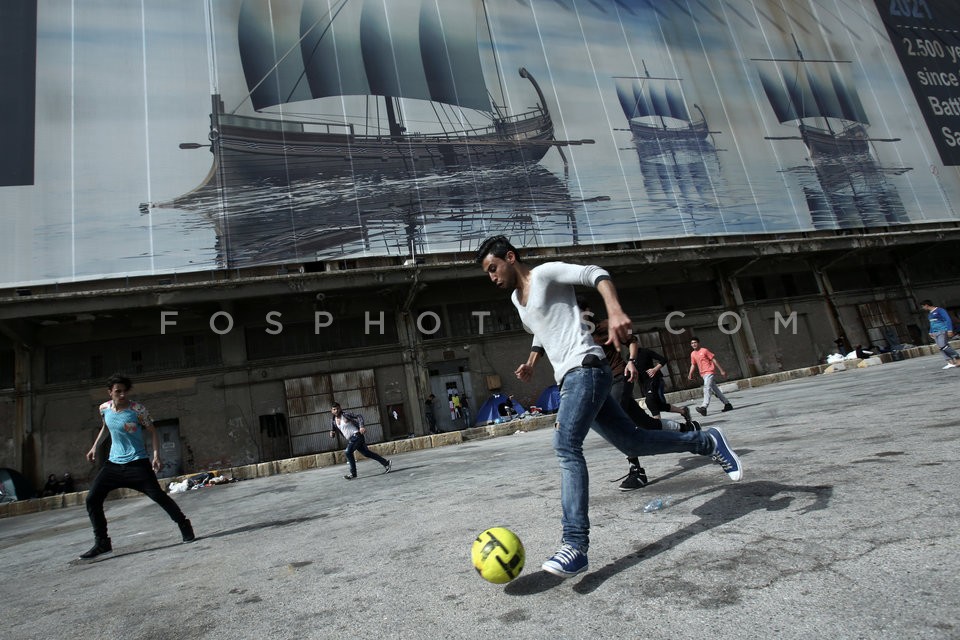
(592,361)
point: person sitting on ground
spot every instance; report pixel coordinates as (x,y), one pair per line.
(52,487)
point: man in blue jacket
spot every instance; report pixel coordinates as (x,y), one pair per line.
(351,426)
(941,330)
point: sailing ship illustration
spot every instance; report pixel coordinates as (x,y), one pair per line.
(388,52)
(678,160)
(852,189)
(340,217)
(285,185)
(656,111)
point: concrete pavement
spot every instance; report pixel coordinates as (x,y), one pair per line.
(844,526)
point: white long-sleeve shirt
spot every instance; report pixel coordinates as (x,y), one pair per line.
(552,315)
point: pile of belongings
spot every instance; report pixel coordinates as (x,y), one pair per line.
(205,479)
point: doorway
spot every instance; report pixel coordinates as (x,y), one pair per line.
(453,406)
(170,454)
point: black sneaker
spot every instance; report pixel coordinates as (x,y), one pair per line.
(702,411)
(186,530)
(727,407)
(692,425)
(685,412)
(635,479)
(101,547)
(388,467)
(349,477)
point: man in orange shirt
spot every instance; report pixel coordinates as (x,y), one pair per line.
(703,360)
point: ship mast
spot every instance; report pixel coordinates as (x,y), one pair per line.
(796,44)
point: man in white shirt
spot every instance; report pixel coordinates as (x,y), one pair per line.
(546,301)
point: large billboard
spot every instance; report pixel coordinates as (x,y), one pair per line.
(179,135)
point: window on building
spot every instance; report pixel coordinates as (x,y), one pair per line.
(432,321)
(496,316)
(777,285)
(138,355)
(298,338)
(883,325)
(8,363)
(864,277)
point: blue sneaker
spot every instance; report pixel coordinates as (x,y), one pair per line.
(724,455)
(566,562)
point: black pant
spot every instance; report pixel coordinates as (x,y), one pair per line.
(137,475)
(622,391)
(655,397)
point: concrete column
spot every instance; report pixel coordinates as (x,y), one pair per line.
(748,354)
(25,446)
(239,416)
(918,314)
(823,282)
(415,380)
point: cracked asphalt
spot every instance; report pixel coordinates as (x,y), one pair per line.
(844,526)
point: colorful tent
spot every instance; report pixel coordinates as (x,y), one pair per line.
(495,408)
(549,400)
(13,486)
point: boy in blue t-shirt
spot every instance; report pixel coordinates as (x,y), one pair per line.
(941,330)
(127,465)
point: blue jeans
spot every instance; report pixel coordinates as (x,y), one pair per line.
(358,443)
(585,403)
(949,353)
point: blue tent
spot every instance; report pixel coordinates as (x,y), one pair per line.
(549,400)
(495,408)
(13,486)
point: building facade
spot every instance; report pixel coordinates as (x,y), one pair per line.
(242,367)
(257,207)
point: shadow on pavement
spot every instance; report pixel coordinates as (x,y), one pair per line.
(263,525)
(731,503)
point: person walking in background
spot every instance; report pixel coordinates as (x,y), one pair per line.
(127,465)
(625,373)
(428,412)
(351,426)
(649,366)
(545,299)
(941,330)
(703,360)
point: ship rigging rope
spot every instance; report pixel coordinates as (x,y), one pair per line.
(343,3)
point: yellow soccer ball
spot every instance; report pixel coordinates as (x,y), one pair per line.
(498,555)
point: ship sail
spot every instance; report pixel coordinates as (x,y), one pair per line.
(807,94)
(650,99)
(419,49)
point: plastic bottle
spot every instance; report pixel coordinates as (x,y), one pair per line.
(657,504)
